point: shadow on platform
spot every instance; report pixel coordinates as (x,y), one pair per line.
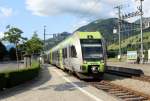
(65,87)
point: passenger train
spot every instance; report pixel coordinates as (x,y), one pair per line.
(83,53)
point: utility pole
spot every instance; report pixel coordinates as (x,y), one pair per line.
(44,37)
(119,29)
(138,13)
(141,25)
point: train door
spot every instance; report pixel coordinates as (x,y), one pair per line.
(51,57)
(61,59)
(64,55)
(67,62)
(48,58)
(74,61)
(56,58)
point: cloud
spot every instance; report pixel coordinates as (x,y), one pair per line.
(90,8)
(1,35)
(80,23)
(82,8)
(146,7)
(6,12)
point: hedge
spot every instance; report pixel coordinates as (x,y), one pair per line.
(2,81)
(112,54)
(13,78)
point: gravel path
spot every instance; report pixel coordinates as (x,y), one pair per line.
(136,85)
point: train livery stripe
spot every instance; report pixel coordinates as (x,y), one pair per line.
(84,35)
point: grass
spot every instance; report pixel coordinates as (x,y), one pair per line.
(134,40)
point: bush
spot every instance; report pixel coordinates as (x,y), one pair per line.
(2,81)
(3,51)
(13,78)
(12,53)
(112,53)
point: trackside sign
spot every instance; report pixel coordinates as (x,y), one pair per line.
(149,54)
(131,55)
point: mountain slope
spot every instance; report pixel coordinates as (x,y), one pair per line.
(57,38)
(106,26)
(133,43)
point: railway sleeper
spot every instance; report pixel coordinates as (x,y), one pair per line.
(127,96)
(102,86)
(117,91)
(120,94)
(135,99)
(105,89)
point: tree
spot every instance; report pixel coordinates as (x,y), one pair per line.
(22,49)
(34,45)
(12,53)
(3,51)
(13,35)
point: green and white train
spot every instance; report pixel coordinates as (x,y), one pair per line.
(83,53)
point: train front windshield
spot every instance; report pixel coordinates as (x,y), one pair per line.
(92,50)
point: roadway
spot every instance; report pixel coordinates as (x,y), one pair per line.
(55,85)
(9,65)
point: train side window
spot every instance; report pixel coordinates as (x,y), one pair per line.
(54,56)
(73,52)
(65,53)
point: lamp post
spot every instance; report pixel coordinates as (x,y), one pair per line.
(44,37)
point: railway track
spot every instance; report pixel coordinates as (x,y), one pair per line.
(118,91)
(142,78)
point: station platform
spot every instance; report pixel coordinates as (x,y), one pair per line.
(144,67)
(55,85)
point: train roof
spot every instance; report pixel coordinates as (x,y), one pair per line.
(84,35)
(81,35)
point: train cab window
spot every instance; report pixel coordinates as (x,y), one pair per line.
(73,52)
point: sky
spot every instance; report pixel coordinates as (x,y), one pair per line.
(59,15)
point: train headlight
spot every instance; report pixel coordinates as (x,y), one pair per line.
(94,69)
(84,62)
(102,61)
